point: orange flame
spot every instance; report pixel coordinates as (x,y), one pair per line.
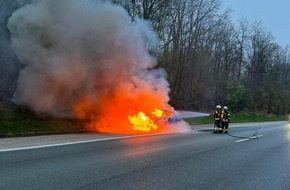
(126,112)
(142,122)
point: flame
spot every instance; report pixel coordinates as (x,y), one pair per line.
(158,113)
(106,79)
(127,112)
(142,122)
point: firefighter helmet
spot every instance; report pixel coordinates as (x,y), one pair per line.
(218,107)
(225,108)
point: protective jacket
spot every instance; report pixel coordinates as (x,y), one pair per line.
(217,115)
(225,116)
(217,121)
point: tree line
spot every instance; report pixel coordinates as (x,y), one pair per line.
(209,59)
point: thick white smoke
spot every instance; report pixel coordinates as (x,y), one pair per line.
(72,47)
(84,58)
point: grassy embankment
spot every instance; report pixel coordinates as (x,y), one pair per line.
(20,121)
(239,118)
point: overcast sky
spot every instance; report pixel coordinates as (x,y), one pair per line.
(274,14)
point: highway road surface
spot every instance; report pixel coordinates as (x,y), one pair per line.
(255,156)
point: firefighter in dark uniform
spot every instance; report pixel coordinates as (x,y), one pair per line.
(225,118)
(217,120)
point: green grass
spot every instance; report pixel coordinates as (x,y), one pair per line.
(39,126)
(20,121)
(239,118)
(199,120)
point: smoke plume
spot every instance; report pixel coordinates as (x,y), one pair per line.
(86,60)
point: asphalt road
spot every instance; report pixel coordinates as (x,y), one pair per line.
(196,160)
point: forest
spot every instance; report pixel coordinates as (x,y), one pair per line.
(209,59)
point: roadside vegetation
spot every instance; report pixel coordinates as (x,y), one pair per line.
(239,118)
(209,58)
(20,121)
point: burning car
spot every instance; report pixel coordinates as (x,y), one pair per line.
(156,119)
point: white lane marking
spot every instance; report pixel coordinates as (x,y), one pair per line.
(241,140)
(80,142)
(246,139)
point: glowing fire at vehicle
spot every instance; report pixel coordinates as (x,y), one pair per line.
(158,113)
(119,87)
(144,123)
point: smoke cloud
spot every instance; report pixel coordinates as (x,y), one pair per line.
(86,60)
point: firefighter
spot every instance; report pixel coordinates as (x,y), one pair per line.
(225,118)
(217,119)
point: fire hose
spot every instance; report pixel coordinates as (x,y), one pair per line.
(255,135)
